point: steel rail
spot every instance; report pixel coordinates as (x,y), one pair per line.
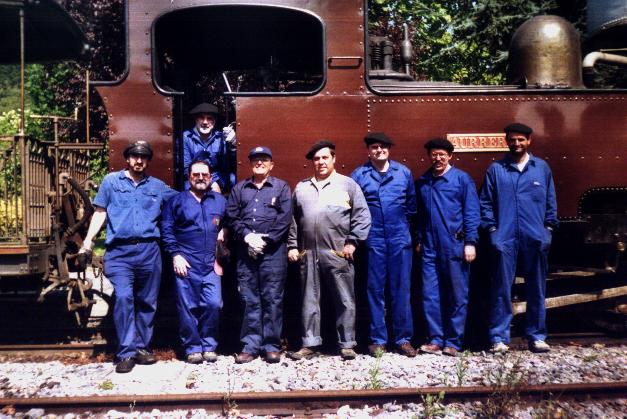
(289,402)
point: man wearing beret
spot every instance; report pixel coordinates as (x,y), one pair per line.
(130,202)
(448,219)
(260,214)
(330,218)
(388,187)
(218,145)
(519,209)
(191,226)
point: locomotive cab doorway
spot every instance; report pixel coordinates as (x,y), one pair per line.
(215,53)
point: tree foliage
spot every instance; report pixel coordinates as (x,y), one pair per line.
(462,41)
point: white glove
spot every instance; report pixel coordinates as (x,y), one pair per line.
(256,242)
(229,135)
(180,265)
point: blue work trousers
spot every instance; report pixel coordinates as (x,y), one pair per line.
(134,269)
(389,263)
(531,256)
(445,294)
(199,300)
(261,284)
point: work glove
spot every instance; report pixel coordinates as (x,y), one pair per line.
(256,244)
(229,135)
(84,258)
(180,265)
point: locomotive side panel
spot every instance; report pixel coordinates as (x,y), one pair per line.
(580,135)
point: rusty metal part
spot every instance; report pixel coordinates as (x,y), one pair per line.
(308,402)
(545,52)
(58,349)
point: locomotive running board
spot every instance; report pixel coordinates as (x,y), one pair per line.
(566,300)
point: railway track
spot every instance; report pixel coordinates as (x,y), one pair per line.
(313,403)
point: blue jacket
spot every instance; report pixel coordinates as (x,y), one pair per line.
(221,155)
(190,228)
(267,210)
(448,208)
(133,211)
(391,199)
(518,203)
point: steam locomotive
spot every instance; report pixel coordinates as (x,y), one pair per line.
(295,71)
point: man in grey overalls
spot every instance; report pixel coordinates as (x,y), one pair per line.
(331,217)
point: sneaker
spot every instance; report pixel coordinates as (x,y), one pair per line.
(499,348)
(431,348)
(194,358)
(375,349)
(449,351)
(125,365)
(303,353)
(407,350)
(209,356)
(145,357)
(539,346)
(348,354)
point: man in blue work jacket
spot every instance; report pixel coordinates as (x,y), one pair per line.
(388,187)
(448,219)
(191,226)
(260,214)
(130,202)
(219,146)
(519,209)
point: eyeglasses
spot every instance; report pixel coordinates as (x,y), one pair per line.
(439,155)
(200,175)
(262,159)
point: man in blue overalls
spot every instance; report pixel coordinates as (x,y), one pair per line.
(260,214)
(448,219)
(191,226)
(219,146)
(519,209)
(388,187)
(130,202)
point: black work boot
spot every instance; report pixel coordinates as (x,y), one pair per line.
(145,357)
(125,365)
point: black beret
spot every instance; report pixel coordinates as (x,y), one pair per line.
(518,127)
(318,146)
(140,148)
(440,143)
(378,137)
(204,108)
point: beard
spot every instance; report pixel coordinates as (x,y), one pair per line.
(199,186)
(205,130)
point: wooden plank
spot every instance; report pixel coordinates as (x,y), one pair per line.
(14,250)
(566,300)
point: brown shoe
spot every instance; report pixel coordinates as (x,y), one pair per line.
(303,353)
(449,351)
(375,349)
(273,357)
(243,358)
(348,353)
(407,350)
(431,348)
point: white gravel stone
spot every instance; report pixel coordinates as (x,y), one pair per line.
(564,364)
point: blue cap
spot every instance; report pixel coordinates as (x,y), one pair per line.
(260,150)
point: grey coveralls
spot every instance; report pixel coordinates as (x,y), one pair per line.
(326,219)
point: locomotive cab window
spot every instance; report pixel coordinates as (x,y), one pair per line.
(247,49)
